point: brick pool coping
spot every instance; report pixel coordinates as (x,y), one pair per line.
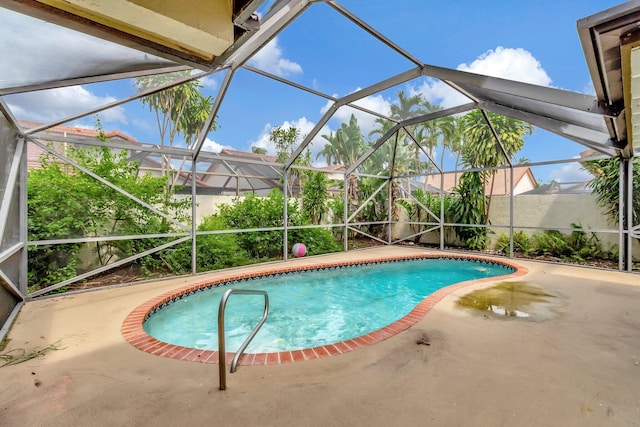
(134,333)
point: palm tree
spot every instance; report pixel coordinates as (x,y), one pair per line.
(384,126)
(407,106)
(180,110)
(382,159)
(345,145)
(404,108)
(331,150)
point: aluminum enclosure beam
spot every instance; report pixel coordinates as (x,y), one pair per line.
(598,141)
(92,79)
(572,100)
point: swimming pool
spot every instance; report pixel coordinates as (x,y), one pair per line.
(330,308)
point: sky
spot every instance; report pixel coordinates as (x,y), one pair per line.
(534,42)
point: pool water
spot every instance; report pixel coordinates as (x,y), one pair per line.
(312,308)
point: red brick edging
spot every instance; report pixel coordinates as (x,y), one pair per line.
(133,332)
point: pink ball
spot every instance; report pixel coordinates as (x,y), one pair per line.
(299,250)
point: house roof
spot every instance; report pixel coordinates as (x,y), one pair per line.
(501,181)
(229,171)
(578,187)
(35,152)
(249,155)
(232,171)
(75,131)
(607,39)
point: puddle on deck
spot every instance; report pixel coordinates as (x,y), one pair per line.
(510,300)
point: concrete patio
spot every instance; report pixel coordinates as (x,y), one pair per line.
(579,368)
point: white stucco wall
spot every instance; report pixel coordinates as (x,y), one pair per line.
(208,205)
(553,211)
(549,211)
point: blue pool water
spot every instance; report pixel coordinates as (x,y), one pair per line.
(312,308)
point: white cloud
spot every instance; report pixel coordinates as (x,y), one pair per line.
(209,82)
(438,93)
(262,141)
(514,64)
(270,59)
(54,104)
(366,121)
(142,124)
(570,172)
(212,146)
(83,126)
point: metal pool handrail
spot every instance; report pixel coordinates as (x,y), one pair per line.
(222,362)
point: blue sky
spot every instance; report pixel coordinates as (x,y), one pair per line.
(536,42)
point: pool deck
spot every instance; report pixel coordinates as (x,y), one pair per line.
(581,367)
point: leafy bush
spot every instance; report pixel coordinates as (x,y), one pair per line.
(336,207)
(551,243)
(468,207)
(213,251)
(258,212)
(478,239)
(575,246)
(317,240)
(314,196)
(521,243)
(64,202)
(267,212)
(51,264)
(375,209)
(586,247)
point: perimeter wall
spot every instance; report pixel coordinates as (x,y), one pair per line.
(547,210)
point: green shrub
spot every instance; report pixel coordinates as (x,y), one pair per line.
(551,243)
(586,247)
(314,196)
(51,264)
(267,212)
(213,251)
(478,239)
(336,207)
(317,240)
(64,202)
(258,212)
(467,207)
(521,243)
(576,246)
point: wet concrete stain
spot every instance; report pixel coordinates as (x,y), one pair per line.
(513,300)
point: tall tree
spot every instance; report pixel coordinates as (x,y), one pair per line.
(442,132)
(481,150)
(345,145)
(407,106)
(403,108)
(286,141)
(179,110)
